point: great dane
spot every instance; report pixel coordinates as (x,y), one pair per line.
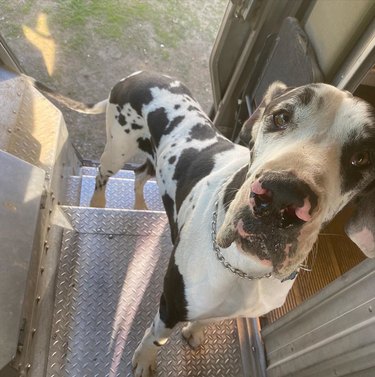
(242,219)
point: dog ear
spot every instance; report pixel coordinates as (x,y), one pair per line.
(361,226)
(248,131)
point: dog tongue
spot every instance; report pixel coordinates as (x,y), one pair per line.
(303,212)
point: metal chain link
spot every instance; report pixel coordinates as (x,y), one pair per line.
(221,257)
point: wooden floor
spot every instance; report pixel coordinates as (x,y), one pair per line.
(333,255)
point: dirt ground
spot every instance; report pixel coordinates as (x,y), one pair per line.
(83,47)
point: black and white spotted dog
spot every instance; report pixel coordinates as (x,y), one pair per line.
(242,219)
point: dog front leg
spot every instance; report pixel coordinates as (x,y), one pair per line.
(144,358)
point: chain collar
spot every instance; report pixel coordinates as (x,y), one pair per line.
(221,258)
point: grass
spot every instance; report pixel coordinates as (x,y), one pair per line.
(111,18)
(8,10)
(131,22)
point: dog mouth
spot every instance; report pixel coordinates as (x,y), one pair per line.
(268,220)
(271,239)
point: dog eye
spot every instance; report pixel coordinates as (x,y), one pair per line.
(361,159)
(281,119)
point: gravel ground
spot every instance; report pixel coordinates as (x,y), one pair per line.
(83,47)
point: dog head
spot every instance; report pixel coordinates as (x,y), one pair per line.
(312,150)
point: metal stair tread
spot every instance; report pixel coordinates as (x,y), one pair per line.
(108,288)
(123,173)
(120,193)
(92,172)
(114,220)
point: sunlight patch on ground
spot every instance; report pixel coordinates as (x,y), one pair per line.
(42,39)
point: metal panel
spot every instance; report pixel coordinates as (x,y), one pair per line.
(359,61)
(10,94)
(21,190)
(332,334)
(8,58)
(120,193)
(334,28)
(237,51)
(108,288)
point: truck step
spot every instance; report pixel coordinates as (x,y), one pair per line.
(120,193)
(91,171)
(108,289)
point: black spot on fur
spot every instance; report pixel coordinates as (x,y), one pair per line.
(173,304)
(136,126)
(157,123)
(127,130)
(136,90)
(146,146)
(320,103)
(173,145)
(121,119)
(306,95)
(193,108)
(234,185)
(173,124)
(176,107)
(202,132)
(193,165)
(169,208)
(172,159)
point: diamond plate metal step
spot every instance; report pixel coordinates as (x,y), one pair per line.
(73,191)
(91,171)
(120,193)
(108,288)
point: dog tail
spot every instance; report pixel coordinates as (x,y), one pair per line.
(70,103)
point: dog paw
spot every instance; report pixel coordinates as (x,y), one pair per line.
(194,339)
(143,363)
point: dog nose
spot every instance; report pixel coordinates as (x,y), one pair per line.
(284,197)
